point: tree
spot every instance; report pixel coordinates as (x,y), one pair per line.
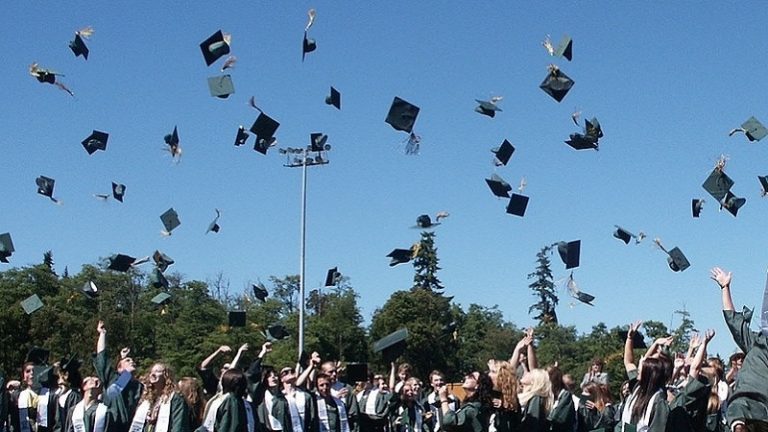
(481,335)
(426,265)
(48,260)
(655,329)
(682,334)
(544,288)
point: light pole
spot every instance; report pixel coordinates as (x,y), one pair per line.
(302,159)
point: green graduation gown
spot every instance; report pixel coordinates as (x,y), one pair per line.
(232,415)
(562,417)
(535,418)
(749,400)
(466,419)
(121,406)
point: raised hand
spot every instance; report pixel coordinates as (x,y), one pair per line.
(721,277)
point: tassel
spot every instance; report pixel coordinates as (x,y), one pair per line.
(547,44)
(523,184)
(229,63)
(85,32)
(311,14)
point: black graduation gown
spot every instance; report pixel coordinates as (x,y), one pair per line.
(63,413)
(563,415)
(232,415)
(89,419)
(122,407)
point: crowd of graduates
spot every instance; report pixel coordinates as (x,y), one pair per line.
(664,391)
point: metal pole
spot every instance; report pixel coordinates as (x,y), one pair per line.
(303,250)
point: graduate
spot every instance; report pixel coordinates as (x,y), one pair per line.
(432,401)
(331,413)
(688,408)
(536,401)
(408,414)
(299,400)
(22,407)
(747,404)
(505,415)
(234,412)
(272,408)
(90,415)
(161,408)
(374,402)
(46,399)
(121,391)
(210,382)
(474,413)
(68,393)
(595,410)
(562,417)
(193,395)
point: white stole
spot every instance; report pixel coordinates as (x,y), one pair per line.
(644,422)
(211,409)
(370,403)
(163,417)
(274,423)
(322,414)
(26,402)
(78,418)
(63,398)
(42,407)
(296,403)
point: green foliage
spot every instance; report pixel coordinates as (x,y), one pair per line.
(482,335)
(655,330)
(426,264)
(543,288)
(682,334)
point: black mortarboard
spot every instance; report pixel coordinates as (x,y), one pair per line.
(37,355)
(400,256)
(96,141)
(214,48)
(392,345)
(162,261)
(718,184)
(623,235)
(161,298)
(732,203)
(753,129)
(221,86)
(504,152)
(593,129)
(569,253)
(565,48)
(242,136)
(402,115)
(763,185)
(120,262)
(45,376)
(31,304)
(90,290)
(170,220)
(582,142)
(517,205)
(276,332)
(584,298)
(696,206)
(638,341)
(264,128)
(45,186)
(260,292)
(307,46)
(157,279)
(172,139)
(118,191)
(317,141)
(424,221)
(498,186)
(332,277)
(6,247)
(78,47)
(677,261)
(70,364)
(236,318)
(334,98)
(356,372)
(556,84)
(487,108)
(214,225)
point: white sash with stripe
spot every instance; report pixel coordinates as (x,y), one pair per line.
(322,414)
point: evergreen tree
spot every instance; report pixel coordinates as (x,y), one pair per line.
(48,260)
(544,288)
(682,334)
(426,265)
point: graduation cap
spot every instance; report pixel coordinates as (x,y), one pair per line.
(37,356)
(96,141)
(332,277)
(157,279)
(45,376)
(264,128)
(276,332)
(90,290)
(487,108)
(584,297)
(732,203)
(400,256)
(334,98)
(625,236)
(392,345)
(307,46)
(503,152)
(162,261)
(78,46)
(696,206)
(576,293)
(569,252)
(118,191)
(6,247)
(564,48)
(763,185)
(45,187)
(242,136)
(317,142)
(70,364)
(675,258)
(718,184)
(221,86)
(498,186)
(31,304)
(260,292)
(172,139)
(402,115)
(214,225)
(752,128)
(215,47)
(424,222)
(236,318)
(638,341)
(356,372)
(48,76)
(170,220)
(161,299)
(120,262)
(517,205)
(556,84)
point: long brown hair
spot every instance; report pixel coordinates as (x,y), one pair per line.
(506,383)
(653,376)
(193,395)
(170,385)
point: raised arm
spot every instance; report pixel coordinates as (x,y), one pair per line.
(222,349)
(629,355)
(243,347)
(724,280)
(314,361)
(392,376)
(532,362)
(701,354)
(514,361)
(101,342)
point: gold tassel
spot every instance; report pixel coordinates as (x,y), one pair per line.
(311,14)
(85,32)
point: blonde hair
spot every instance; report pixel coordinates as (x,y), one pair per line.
(165,394)
(540,386)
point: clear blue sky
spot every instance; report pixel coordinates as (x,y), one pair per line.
(667,80)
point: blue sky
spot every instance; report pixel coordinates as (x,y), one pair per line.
(667,80)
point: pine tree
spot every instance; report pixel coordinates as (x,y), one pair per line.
(48,260)
(426,264)
(544,288)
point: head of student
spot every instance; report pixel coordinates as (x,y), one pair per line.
(323,384)
(234,381)
(436,379)
(158,382)
(91,387)
(329,369)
